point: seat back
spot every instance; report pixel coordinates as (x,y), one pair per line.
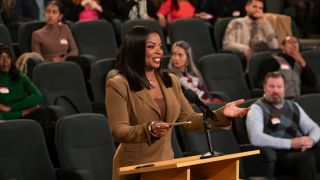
(275,6)
(309,103)
(194,31)
(223,72)
(63,84)
(254,66)
(176,146)
(5,38)
(195,143)
(23,151)
(239,125)
(99,71)
(152,24)
(1,17)
(84,141)
(25,34)
(95,38)
(219,29)
(312,57)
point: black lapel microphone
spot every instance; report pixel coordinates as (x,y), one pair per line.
(193,98)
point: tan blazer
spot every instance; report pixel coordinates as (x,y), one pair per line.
(129,114)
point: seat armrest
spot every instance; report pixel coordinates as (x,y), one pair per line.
(58,110)
(73,174)
(89,57)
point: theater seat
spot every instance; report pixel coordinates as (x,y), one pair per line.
(23,153)
(85,145)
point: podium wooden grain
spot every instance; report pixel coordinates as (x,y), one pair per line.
(224,167)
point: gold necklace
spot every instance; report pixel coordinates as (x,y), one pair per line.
(151,80)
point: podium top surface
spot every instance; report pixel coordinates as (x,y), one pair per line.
(181,162)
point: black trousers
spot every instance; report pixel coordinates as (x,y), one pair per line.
(297,163)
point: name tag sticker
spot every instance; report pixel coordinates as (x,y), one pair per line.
(4,90)
(285,66)
(275,120)
(236,13)
(63,41)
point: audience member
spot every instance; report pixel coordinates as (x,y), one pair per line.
(83,10)
(283,125)
(304,11)
(298,75)
(141,103)
(182,65)
(28,10)
(18,95)
(136,9)
(54,41)
(215,9)
(250,33)
(171,10)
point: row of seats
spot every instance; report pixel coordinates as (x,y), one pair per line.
(222,72)
(86,148)
(84,145)
(98,38)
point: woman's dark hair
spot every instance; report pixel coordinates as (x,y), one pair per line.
(131,59)
(13,71)
(58,4)
(175,4)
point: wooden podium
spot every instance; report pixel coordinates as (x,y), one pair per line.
(225,167)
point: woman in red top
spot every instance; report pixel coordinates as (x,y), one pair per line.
(175,9)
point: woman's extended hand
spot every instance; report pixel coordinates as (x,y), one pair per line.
(232,110)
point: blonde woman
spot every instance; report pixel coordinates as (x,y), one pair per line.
(181,64)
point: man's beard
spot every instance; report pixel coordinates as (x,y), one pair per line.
(275,99)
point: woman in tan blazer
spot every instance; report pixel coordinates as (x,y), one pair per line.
(141,102)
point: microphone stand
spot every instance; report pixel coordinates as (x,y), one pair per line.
(207,127)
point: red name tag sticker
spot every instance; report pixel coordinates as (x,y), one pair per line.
(285,66)
(236,13)
(4,90)
(275,120)
(63,41)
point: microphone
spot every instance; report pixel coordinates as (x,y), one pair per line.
(193,98)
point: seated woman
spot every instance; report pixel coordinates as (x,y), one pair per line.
(85,10)
(18,95)
(181,64)
(171,10)
(54,41)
